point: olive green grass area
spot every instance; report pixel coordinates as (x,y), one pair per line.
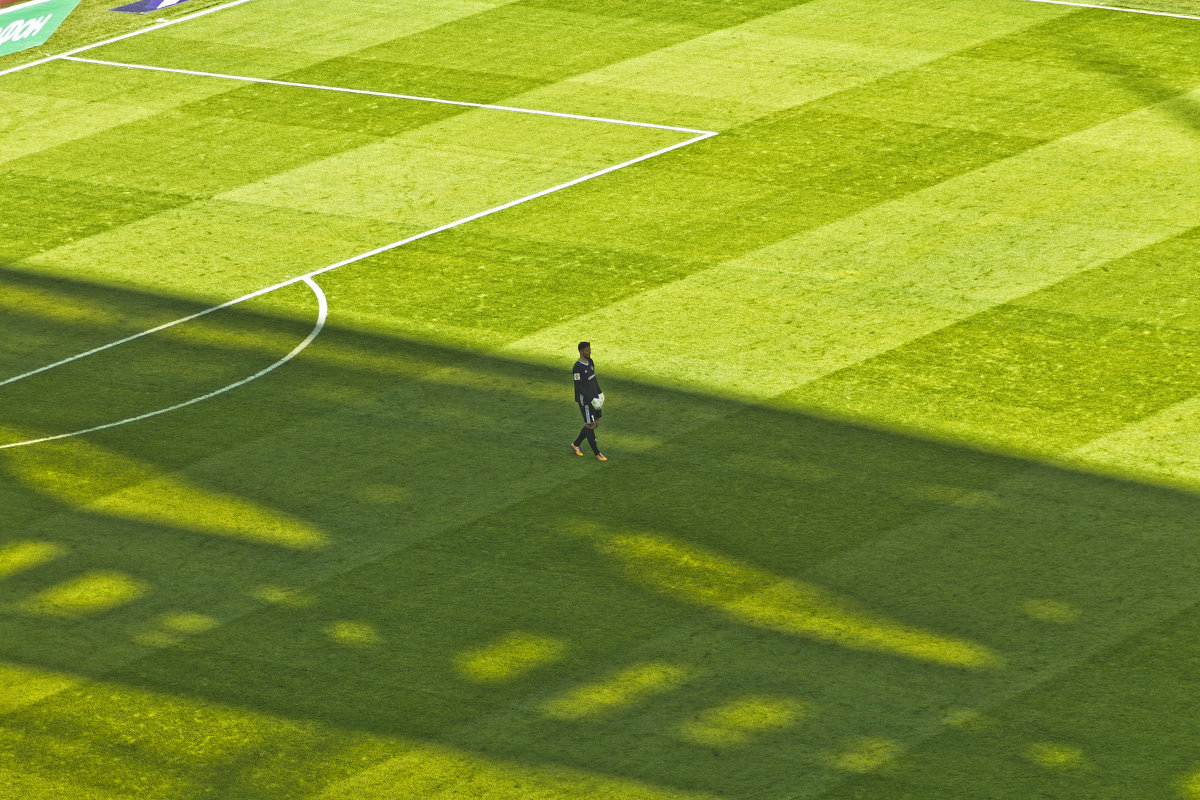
(371,576)
(902,420)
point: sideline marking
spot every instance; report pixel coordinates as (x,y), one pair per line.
(322,314)
(156,26)
(248,79)
(1115,8)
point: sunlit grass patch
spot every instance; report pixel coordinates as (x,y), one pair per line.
(92,593)
(1056,756)
(739,721)
(22,685)
(83,474)
(777,603)
(867,754)
(353,634)
(1055,611)
(627,688)
(20,556)
(187,622)
(283,596)
(509,657)
(1190,787)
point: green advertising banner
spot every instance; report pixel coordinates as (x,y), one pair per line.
(29,24)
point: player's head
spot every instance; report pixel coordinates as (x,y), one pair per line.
(585,349)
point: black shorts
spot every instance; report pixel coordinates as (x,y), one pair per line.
(590,414)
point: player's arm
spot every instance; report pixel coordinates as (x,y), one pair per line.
(578,376)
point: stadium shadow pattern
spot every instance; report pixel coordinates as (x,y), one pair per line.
(397,551)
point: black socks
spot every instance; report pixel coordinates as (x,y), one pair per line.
(587,433)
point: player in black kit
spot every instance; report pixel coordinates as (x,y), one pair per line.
(590,399)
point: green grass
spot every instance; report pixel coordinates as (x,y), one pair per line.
(902,496)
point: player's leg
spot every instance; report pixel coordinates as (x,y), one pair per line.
(592,435)
(583,432)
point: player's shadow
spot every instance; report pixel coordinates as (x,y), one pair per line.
(390,539)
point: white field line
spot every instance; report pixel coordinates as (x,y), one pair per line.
(156,26)
(1115,8)
(322,314)
(359,257)
(698,136)
(441,101)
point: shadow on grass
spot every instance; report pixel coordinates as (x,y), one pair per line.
(386,552)
(1140,52)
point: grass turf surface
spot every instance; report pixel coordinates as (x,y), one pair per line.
(902,492)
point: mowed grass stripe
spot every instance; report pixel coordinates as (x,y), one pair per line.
(162,153)
(883,276)
(509,49)
(396,187)
(228,127)
(1095,369)
(795,56)
(99,256)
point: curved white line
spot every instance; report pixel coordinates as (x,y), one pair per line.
(322,314)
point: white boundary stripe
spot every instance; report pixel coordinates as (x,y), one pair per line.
(155,27)
(247,79)
(322,314)
(359,257)
(1115,8)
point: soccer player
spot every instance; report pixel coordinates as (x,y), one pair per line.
(590,399)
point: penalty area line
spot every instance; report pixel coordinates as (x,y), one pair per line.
(322,315)
(360,257)
(1115,8)
(391,95)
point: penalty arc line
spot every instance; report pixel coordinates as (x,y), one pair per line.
(359,257)
(322,315)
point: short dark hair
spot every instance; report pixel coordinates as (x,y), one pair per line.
(583,345)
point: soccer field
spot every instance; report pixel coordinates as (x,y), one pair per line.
(894,305)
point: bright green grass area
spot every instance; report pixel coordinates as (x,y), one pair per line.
(902,408)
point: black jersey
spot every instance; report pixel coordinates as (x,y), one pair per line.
(586,386)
